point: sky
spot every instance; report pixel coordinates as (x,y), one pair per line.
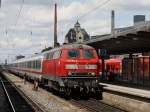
(26,26)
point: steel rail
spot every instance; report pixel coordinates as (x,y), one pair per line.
(8,97)
(33,103)
(90,105)
(98,101)
(84,106)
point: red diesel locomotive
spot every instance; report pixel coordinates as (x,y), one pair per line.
(65,68)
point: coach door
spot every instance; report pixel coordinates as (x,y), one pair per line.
(56,59)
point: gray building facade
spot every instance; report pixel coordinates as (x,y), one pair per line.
(76,34)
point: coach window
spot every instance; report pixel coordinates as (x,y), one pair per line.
(57,54)
(34,65)
(23,64)
(28,64)
(38,64)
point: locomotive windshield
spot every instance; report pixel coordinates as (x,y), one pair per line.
(73,54)
(88,53)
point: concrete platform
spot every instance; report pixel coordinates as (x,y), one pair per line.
(127,98)
(127,90)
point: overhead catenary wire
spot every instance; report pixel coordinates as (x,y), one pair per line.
(100,4)
(19,14)
(15,23)
(94,9)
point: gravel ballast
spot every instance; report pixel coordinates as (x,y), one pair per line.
(48,101)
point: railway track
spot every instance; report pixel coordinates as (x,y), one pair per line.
(93,105)
(16,100)
(12,108)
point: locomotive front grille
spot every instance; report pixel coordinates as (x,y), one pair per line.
(81,73)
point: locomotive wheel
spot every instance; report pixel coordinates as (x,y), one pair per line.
(98,94)
(80,93)
(65,92)
(85,94)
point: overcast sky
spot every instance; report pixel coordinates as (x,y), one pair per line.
(26,26)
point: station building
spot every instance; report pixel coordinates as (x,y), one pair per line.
(128,49)
(76,34)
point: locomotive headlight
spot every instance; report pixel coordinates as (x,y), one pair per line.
(69,73)
(93,73)
(91,66)
(71,66)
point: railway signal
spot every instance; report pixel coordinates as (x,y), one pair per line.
(102,54)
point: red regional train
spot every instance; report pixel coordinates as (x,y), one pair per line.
(128,67)
(114,65)
(66,68)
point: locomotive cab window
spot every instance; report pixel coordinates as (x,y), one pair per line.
(73,54)
(88,53)
(56,54)
(49,55)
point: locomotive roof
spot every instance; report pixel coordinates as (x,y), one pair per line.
(69,46)
(36,57)
(41,55)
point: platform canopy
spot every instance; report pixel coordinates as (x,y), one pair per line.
(134,39)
